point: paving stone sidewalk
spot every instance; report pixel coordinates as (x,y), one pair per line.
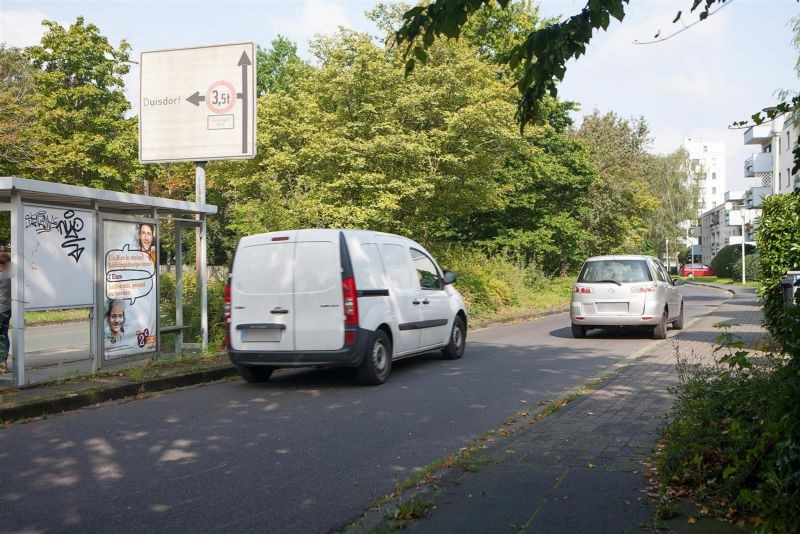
(581,468)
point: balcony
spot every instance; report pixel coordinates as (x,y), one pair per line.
(758,163)
(758,135)
(756,196)
(734,196)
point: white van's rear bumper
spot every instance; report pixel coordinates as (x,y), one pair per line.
(347,356)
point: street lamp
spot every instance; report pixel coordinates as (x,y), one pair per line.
(742,211)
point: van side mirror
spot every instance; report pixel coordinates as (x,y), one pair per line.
(678,282)
(449,277)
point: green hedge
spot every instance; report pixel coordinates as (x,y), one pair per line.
(752,267)
(725,258)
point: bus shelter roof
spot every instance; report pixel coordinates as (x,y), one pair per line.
(79,197)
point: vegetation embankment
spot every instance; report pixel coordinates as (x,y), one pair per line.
(733,443)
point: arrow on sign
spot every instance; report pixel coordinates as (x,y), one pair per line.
(195,98)
(244,62)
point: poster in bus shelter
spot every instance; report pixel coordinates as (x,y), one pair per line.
(131,300)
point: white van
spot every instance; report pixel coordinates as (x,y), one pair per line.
(336,298)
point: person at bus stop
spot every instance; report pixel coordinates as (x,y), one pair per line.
(115,317)
(146,236)
(5,308)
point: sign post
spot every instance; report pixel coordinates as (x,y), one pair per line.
(198,104)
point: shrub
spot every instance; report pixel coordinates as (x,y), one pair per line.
(752,267)
(192,309)
(734,438)
(778,236)
(725,258)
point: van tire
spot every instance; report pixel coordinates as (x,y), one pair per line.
(377,363)
(458,340)
(255,373)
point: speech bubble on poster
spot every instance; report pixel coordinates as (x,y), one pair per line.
(129,274)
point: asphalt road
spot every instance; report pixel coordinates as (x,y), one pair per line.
(306,452)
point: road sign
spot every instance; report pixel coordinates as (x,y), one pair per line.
(197,104)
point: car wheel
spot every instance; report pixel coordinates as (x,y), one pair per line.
(377,363)
(578,331)
(660,330)
(458,340)
(677,324)
(255,373)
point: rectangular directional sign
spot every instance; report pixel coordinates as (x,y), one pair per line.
(197,104)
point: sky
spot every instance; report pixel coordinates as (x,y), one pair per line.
(692,84)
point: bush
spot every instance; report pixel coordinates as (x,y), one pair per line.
(192,310)
(725,258)
(752,266)
(733,438)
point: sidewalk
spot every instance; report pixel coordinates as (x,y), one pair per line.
(583,468)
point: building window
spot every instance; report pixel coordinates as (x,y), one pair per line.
(714,191)
(713,161)
(713,176)
(788,177)
(780,177)
(788,141)
(705,149)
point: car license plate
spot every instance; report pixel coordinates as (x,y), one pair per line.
(612,307)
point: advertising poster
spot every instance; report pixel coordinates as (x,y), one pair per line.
(58,257)
(131,302)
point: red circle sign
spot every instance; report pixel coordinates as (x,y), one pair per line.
(221,96)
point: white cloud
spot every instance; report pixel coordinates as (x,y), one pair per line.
(21,28)
(312,18)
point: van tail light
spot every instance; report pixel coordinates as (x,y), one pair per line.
(643,289)
(227,309)
(350,309)
(582,290)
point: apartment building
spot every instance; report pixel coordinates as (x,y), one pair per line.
(708,164)
(772,159)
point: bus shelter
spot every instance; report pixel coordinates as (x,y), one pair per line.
(79,247)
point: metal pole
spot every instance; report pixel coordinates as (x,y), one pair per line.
(201,260)
(17,289)
(742,213)
(667,256)
(178,289)
(776,145)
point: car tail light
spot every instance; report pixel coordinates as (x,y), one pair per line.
(227,309)
(643,289)
(582,290)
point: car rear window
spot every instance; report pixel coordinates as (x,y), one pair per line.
(623,271)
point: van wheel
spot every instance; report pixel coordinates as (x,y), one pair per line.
(377,363)
(458,340)
(660,330)
(578,331)
(255,373)
(677,324)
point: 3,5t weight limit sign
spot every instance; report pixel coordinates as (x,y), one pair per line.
(197,104)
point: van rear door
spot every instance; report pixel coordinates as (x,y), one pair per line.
(318,298)
(262,286)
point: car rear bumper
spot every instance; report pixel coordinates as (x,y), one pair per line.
(347,356)
(578,316)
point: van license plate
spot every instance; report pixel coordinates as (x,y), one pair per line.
(612,307)
(261,336)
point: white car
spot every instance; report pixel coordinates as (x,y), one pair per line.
(625,290)
(338,298)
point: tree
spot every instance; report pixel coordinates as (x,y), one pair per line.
(16,112)
(540,60)
(84,137)
(279,68)
(621,200)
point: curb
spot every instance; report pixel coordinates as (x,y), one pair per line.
(714,286)
(522,317)
(82,399)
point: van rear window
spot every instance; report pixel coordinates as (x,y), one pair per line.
(265,269)
(623,271)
